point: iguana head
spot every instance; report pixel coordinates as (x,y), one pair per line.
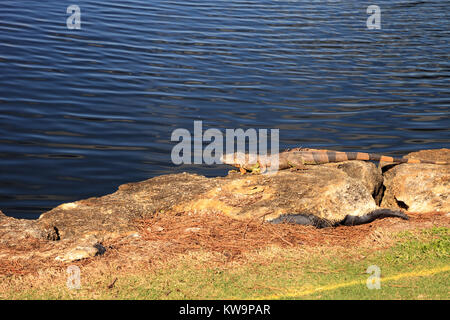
(241,160)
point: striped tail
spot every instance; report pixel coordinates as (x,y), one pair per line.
(325,156)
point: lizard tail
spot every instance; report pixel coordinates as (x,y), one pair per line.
(319,157)
(378,157)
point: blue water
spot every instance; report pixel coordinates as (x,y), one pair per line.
(83,111)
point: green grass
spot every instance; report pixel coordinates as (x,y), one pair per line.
(420,253)
(417,267)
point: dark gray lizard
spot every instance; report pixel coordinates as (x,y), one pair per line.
(349,220)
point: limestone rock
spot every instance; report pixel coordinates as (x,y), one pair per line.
(365,172)
(419,187)
(81,252)
(113,214)
(12,230)
(327,191)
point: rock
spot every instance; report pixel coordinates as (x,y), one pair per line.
(12,230)
(81,252)
(365,172)
(328,191)
(419,187)
(325,192)
(115,213)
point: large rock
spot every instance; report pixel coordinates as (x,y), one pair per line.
(115,213)
(419,187)
(330,192)
(365,172)
(325,192)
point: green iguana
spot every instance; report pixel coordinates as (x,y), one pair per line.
(299,158)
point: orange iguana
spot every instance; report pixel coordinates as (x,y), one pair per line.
(299,158)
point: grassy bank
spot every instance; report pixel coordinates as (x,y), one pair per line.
(417,266)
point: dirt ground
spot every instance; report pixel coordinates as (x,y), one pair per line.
(167,236)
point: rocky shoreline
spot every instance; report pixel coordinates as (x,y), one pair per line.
(76,230)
